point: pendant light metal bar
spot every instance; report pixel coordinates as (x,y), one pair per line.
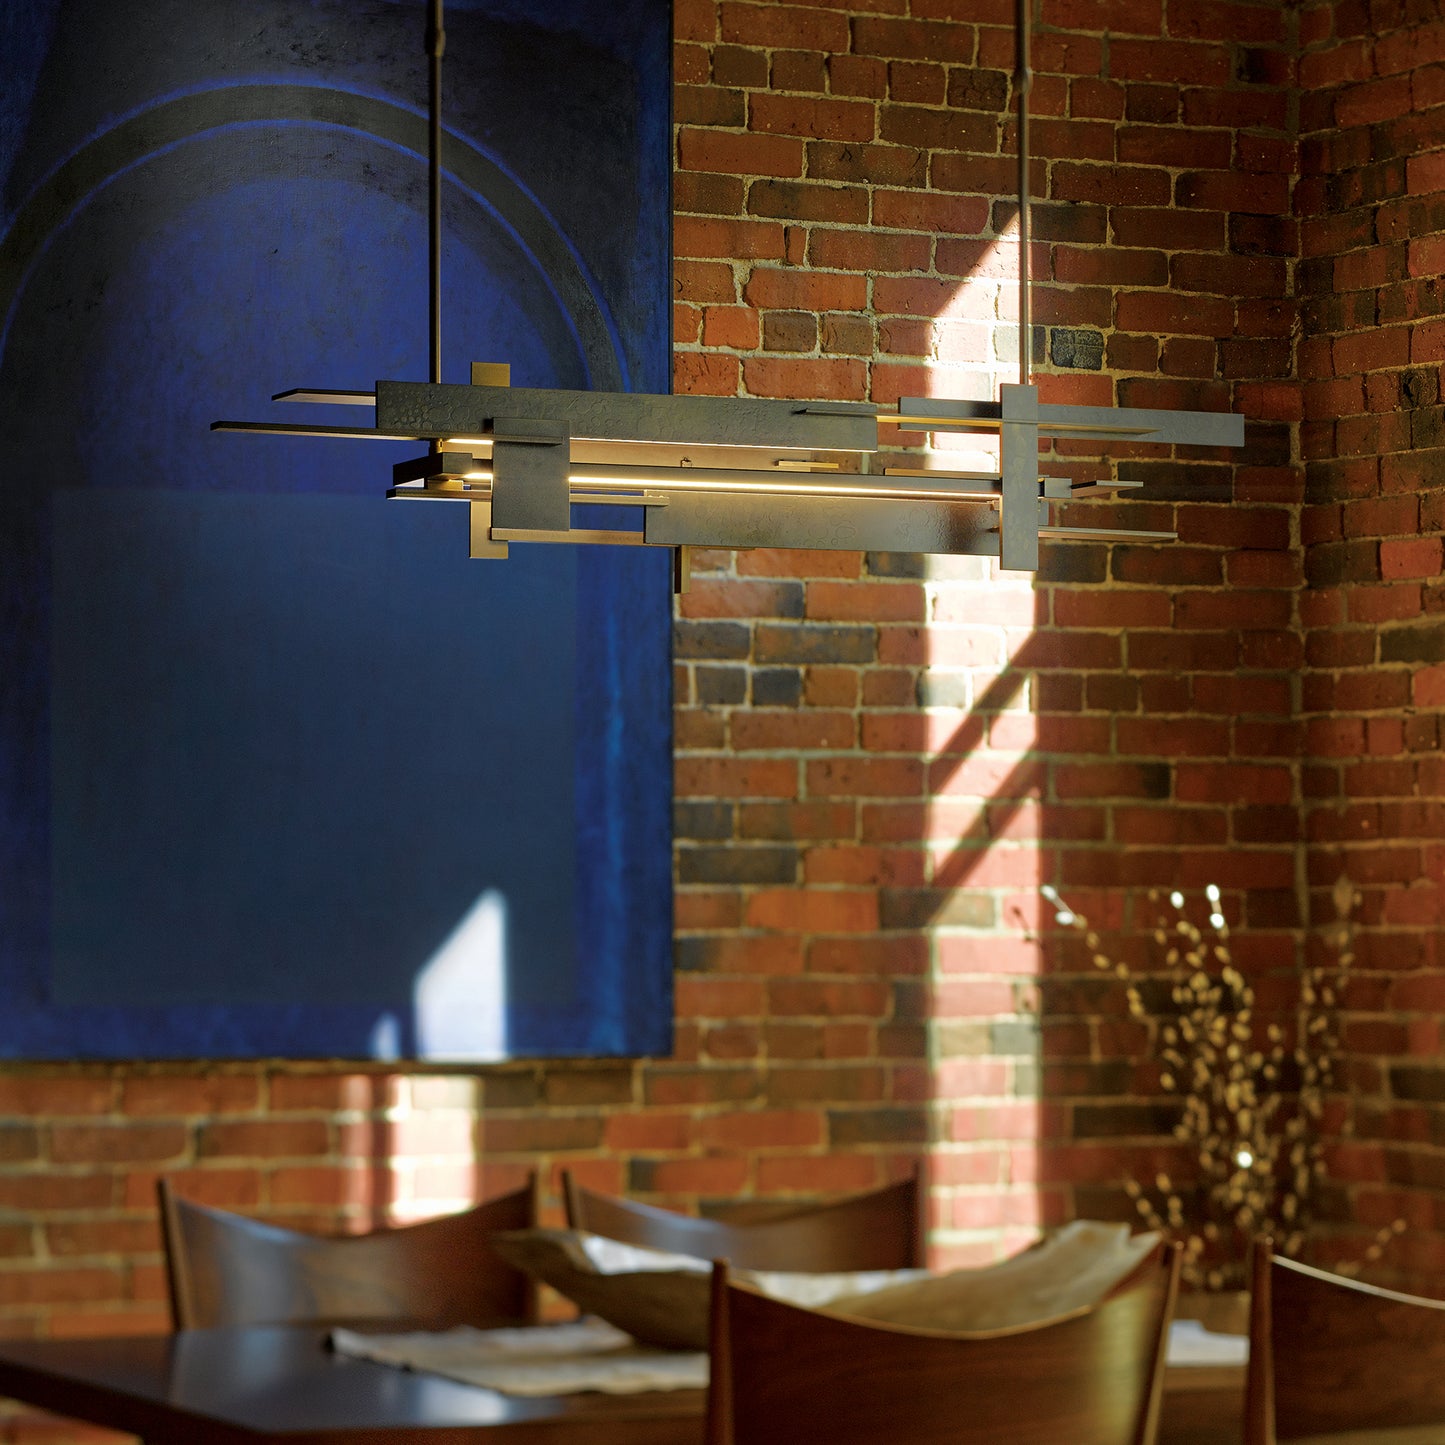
(323,397)
(738,471)
(1023,83)
(306,429)
(436,44)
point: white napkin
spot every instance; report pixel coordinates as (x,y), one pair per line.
(563,1359)
(1191,1344)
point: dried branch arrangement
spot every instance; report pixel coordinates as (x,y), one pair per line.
(1252,1100)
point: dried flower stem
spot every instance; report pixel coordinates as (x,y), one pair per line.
(1256,1150)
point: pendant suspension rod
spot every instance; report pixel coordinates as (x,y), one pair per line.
(436,44)
(1023,83)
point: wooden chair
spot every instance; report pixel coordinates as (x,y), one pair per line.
(1093,1377)
(226,1269)
(884,1229)
(1329,1355)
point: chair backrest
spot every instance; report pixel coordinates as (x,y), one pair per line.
(1328,1354)
(884,1229)
(226,1269)
(813,1377)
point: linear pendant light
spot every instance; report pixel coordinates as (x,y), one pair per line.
(740,471)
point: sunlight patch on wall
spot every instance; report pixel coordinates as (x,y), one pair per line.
(982,862)
(460,995)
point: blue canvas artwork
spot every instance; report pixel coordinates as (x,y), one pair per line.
(282,772)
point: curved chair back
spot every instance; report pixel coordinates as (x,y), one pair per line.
(884,1229)
(1328,1355)
(226,1269)
(812,1377)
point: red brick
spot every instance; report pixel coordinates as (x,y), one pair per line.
(733,326)
(1111,185)
(734,597)
(763,1129)
(857,75)
(750,953)
(104,1143)
(704,281)
(1116,17)
(1383,346)
(1156,226)
(1420,557)
(213,1094)
(1116,266)
(1428,686)
(865,601)
(845,250)
(795,562)
(701,374)
(686,325)
(791,731)
(917,82)
(743,155)
(45,1095)
(1233,609)
(864,777)
(912,40)
(1172,313)
(818,119)
(852,864)
(800,70)
(1232,783)
(651,1132)
(922,211)
(820,378)
(726,777)
(906,955)
(777,26)
(818,910)
(702,237)
(771,289)
(1053,53)
(1113,608)
(807,201)
(1383,604)
(264,1139)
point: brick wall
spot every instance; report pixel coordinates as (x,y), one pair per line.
(879,761)
(1372,207)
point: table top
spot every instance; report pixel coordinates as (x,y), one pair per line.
(240,1387)
(246,1386)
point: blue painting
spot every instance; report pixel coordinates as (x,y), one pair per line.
(283,773)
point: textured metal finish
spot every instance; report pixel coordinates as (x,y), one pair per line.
(851,524)
(459,411)
(529,476)
(1019,449)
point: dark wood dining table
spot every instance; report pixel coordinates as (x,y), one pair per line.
(246,1386)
